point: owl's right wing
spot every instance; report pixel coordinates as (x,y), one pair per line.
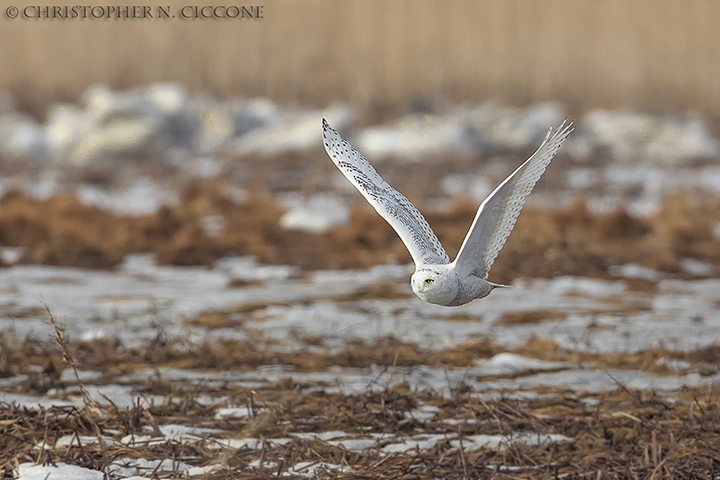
(403,217)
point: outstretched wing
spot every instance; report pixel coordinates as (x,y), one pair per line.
(497,214)
(403,217)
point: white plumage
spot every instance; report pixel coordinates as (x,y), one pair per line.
(436,280)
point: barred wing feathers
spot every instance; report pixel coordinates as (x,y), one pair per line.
(403,217)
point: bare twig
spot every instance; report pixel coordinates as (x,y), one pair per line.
(62,342)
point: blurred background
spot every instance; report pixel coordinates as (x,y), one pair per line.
(382,57)
(200,116)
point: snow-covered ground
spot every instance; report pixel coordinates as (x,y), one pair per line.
(131,304)
(588,315)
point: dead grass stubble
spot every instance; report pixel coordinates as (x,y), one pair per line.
(63,231)
(43,363)
(618,434)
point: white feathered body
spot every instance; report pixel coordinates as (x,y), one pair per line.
(436,279)
(448,287)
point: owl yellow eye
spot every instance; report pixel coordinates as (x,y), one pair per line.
(429,281)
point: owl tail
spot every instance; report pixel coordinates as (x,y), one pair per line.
(498,285)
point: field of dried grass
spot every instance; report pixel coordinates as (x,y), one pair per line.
(243,391)
(569,241)
(289,427)
(387,56)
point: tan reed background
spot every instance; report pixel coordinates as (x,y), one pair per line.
(655,55)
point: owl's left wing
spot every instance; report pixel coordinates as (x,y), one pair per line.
(497,214)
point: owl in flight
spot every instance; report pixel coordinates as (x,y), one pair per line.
(436,279)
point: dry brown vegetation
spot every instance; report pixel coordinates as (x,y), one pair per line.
(626,435)
(112,357)
(571,240)
(704,361)
(618,434)
(388,56)
(529,317)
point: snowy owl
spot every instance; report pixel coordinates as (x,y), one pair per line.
(436,279)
